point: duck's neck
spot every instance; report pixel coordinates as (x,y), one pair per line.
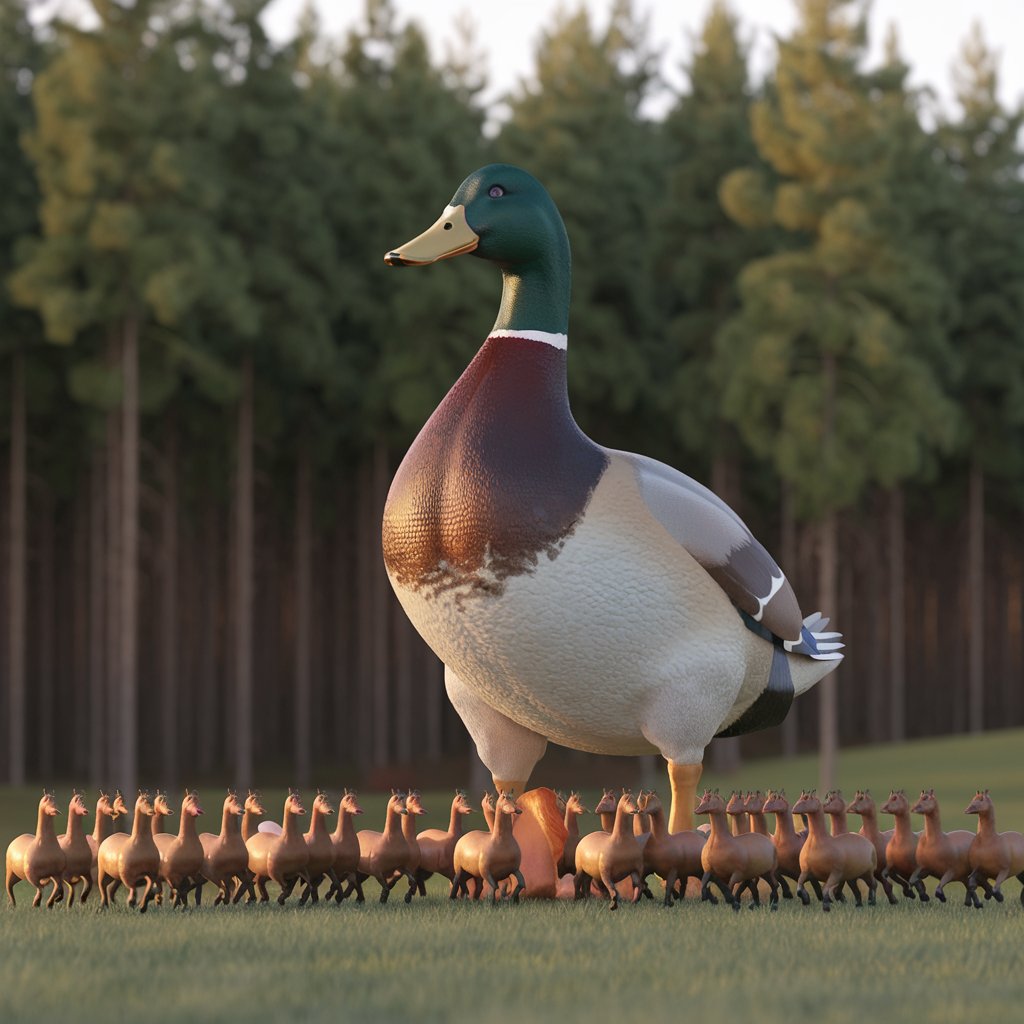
(535,295)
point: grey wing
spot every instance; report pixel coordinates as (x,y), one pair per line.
(721,542)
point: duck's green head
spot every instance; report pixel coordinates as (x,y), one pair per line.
(500,213)
(503,214)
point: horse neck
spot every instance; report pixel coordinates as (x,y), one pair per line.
(757,823)
(839,825)
(291,830)
(987,822)
(784,824)
(572,823)
(226,826)
(100,829)
(249,823)
(816,827)
(869,822)
(409,827)
(901,828)
(607,820)
(391,824)
(317,823)
(44,826)
(345,826)
(156,822)
(139,823)
(74,830)
(720,823)
(658,823)
(621,829)
(186,824)
(741,823)
(455,821)
(502,825)
(933,824)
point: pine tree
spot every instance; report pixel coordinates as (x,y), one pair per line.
(830,368)
(985,248)
(578,128)
(128,252)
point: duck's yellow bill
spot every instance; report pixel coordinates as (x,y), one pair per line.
(449,236)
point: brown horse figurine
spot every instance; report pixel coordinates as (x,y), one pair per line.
(605,810)
(383,855)
(131,860)
(225,858)
(740,860)
(736,808)
(674,857)
(437,848)
(489,857)
(38,858)
(835,807)
(345,843)
(278,853)
(901,849)
(77,852)
(755,811)
(864,805)
(321,849)
(993,854)
(787,842)
(413,808)
(573,809)
(943,855)
(181,856)
(610,857)
(832,860)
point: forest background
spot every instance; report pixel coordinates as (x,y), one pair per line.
(806,291)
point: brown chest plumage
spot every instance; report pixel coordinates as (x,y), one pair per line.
(498,478)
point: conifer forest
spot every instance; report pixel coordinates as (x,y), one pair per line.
(805,289)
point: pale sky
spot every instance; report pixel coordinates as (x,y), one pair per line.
(931,31)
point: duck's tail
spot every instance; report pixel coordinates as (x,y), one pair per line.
(814,655)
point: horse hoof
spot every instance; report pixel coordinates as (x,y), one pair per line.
(998,896)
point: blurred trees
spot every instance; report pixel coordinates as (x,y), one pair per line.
(792,290)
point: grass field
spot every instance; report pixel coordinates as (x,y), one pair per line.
(434,961)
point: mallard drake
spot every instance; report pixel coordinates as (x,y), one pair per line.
(594,598)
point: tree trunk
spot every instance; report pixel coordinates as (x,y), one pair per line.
(174,708)
(361,699)
(210,584)
(17,572)
(97,618)
(897,619)
(382,710)
(303,611)
(342,628)
(127,647)
(46,721)
(244,582)
(787,551)
(828,708)
(79,674)
(403,713)
(976,599)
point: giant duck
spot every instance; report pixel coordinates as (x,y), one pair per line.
(593,598)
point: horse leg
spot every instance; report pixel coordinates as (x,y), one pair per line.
(670,885)
(146,893)
(69,896)
(872,883)
(997,885)
(940,889)
(520,886)
(58,885)
(833,882)
(581,885)
(773,884)
(261,885)
(613,893)
(801,891)
(855,889)
(783,885)
(886,886)
(38,898)
(12,881)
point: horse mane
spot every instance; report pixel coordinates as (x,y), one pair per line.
(542,804)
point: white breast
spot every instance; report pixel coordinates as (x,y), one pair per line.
(622,644)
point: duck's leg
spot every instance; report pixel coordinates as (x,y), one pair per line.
(683,779)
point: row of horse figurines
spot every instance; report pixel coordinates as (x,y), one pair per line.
(633,843)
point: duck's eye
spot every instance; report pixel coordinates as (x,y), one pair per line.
(496,192)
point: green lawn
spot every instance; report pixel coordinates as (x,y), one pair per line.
(437,961)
